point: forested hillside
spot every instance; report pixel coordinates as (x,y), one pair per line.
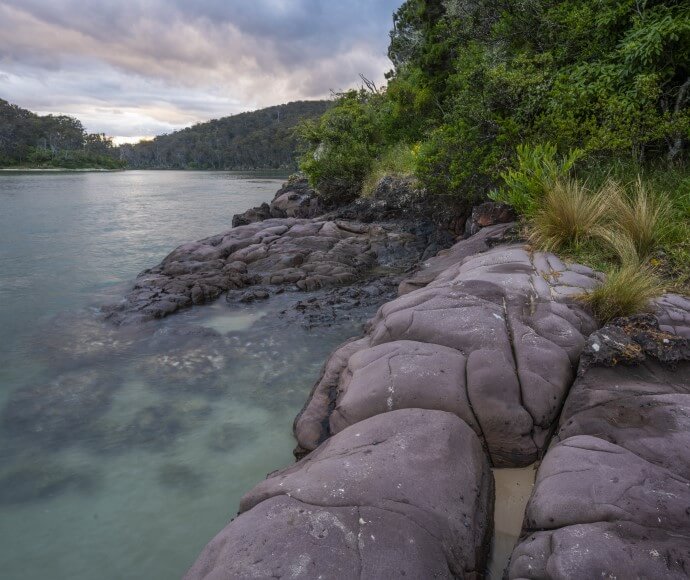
(258,140)
(30,140)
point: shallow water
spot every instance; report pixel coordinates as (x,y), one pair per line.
(513,489)
(124,451)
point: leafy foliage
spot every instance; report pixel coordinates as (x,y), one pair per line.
(539,171)
(473,80)
(342,145)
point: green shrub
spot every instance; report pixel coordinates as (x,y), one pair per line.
(399,161)
(538,170)
(340,147)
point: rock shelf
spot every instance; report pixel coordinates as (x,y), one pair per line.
(485,356)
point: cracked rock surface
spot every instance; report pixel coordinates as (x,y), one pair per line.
(371,502)
(612,496)
(299,254)
(494,338)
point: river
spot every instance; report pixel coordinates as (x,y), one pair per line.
(123,453)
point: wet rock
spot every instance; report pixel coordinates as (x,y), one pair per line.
(278,253)
(612,493)
(334,306)
(509,316)
(373,501)
(487,214)
(33,481)
(254,295)
(60,412)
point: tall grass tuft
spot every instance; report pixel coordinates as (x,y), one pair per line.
(568,215)
(628,289)
(642,215)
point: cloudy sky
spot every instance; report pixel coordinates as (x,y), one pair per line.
(133,68)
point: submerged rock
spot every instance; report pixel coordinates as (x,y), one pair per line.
(227,437)
(371,502)
(612,494)
(155,426)
(494,339)
(194,367)
(82,337)
(33,481)
(59,412)
(180,477)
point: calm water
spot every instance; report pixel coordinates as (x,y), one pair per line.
(124,452)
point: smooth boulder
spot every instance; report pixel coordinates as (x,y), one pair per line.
(404,494)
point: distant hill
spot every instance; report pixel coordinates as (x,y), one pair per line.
(261,139)
(31,140)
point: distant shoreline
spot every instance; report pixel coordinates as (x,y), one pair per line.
(56,170)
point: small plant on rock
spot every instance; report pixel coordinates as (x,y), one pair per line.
(628,289)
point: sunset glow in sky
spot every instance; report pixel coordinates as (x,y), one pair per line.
(138,68)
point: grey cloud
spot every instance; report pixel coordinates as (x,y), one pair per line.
(187,60)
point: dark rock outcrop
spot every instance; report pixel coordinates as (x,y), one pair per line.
(612,496)
(428,270)
(487,214)
(405,494)
(494,339)
(277,253)
(296,199)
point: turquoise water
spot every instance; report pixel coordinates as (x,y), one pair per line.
(124,451)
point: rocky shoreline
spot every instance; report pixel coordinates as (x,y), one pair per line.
(480,356)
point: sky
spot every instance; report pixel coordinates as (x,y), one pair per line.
(139,68)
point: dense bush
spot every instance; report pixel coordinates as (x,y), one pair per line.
(472,81)
(342,146)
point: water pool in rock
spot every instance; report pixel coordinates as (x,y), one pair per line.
(124,451)
(513,490)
